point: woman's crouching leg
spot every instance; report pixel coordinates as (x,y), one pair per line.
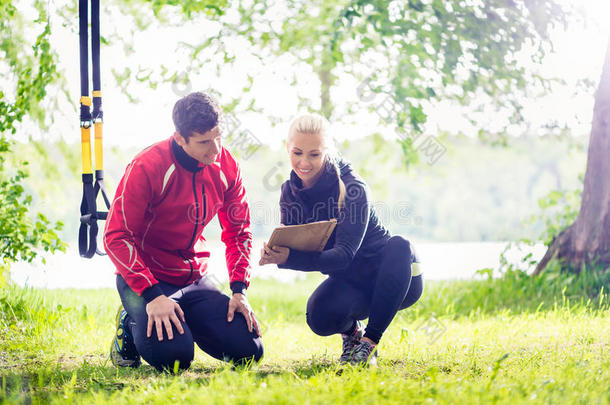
(416,290)
(335,306)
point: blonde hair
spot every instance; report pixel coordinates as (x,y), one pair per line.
(315,124)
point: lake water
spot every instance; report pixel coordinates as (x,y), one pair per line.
(439,261)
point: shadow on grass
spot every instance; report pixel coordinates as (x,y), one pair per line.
(23,383)
(42,382)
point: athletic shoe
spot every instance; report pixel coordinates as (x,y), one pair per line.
(351,341)
(364,354)
(123,351)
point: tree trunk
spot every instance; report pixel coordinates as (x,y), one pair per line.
(587,240)
(327,79)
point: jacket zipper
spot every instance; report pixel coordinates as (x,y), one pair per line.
(204,205)
(196,222)
(196,215)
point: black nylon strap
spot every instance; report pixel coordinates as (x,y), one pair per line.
(87,244)
(95,59)
(95,44)
(99,188)
(83,34)
(83,11)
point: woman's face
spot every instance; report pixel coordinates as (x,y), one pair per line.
(307,156)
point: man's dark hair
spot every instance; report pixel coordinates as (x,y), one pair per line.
(197,112)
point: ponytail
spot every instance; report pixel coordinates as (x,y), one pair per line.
(342,190)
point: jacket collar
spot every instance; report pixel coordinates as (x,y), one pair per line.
(190,164)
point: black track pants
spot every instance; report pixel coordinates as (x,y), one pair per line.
(341,300)
(205,310)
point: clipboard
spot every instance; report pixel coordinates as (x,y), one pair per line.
(311,237)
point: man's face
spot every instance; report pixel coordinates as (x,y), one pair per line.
(202,147)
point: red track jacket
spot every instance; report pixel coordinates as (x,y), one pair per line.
(163,202)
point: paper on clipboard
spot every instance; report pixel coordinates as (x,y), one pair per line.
(310,237)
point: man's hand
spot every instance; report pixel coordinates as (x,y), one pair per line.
(239,303)
(162,311)
(275,255)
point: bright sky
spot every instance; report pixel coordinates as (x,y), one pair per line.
(580,53)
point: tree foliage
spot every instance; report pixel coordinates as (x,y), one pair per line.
(440,50)
(416,53)
(30,65)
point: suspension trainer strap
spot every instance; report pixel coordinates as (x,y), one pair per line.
(87,233)
(98,114)
(88,227)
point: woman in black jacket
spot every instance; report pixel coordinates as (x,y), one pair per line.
(371,273)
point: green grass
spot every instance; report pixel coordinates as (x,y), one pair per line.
(509,341)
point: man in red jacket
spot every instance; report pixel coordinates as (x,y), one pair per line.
(153,235)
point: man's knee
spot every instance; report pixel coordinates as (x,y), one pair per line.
(252,352)
(176,358)
(258,350)
(168,355)
(245,352)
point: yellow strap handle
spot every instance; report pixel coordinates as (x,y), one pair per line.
(85,139)
(99,150)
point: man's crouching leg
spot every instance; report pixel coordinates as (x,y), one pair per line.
(246,352)
(164,355)
(205,309)
(230,341)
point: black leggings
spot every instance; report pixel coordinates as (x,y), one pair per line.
(340,300)
(205,310)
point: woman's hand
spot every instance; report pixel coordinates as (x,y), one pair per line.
(275,255)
